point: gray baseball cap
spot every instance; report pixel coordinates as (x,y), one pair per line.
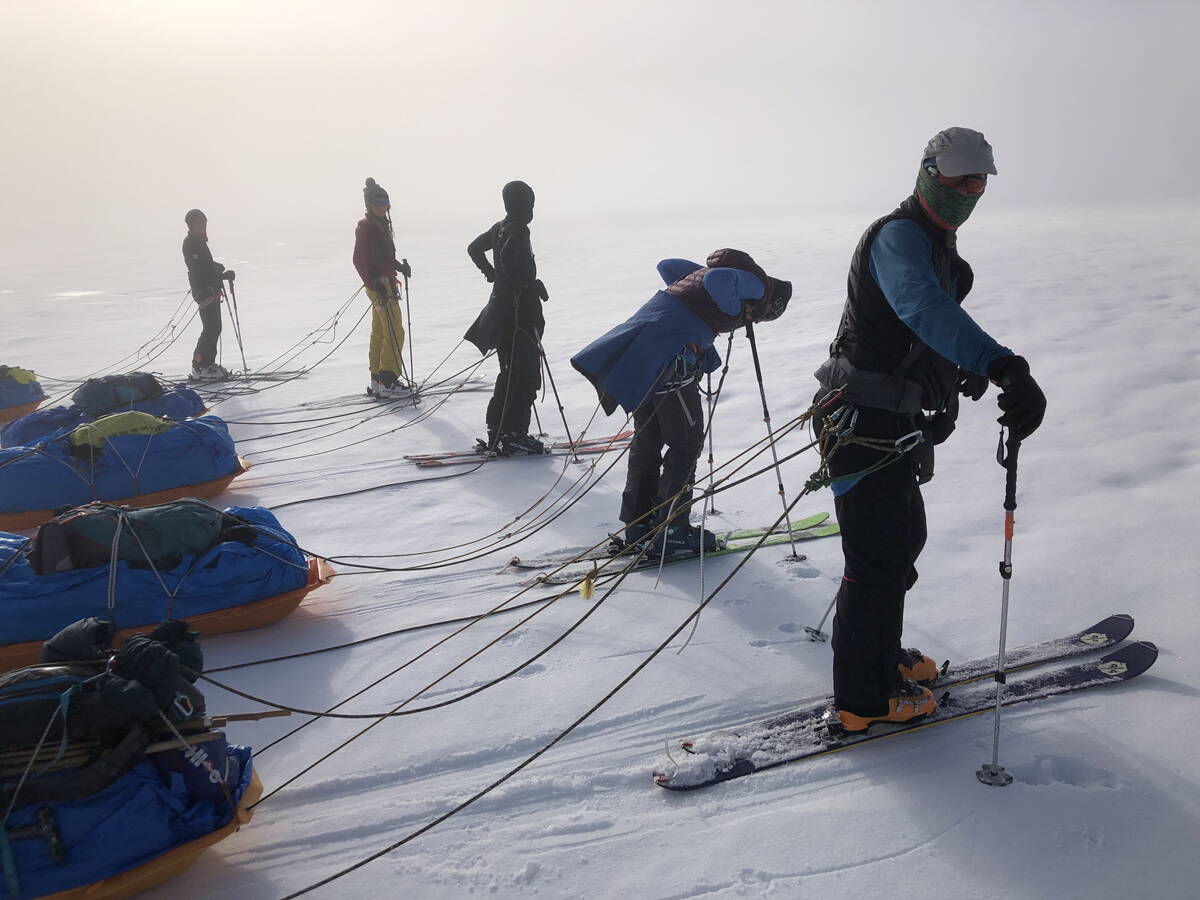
(960,151)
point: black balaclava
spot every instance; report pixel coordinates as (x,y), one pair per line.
(194,215)
(518,202)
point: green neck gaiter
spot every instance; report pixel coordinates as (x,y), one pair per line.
(947,204)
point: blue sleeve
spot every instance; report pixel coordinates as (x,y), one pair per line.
(672,270)
(729,287)
(901,266)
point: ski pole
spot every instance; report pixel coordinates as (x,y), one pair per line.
(762,392)
(710,505)
(993,773)
(816,634)
(538,419)
(561,411)
(237,325)
(412,366)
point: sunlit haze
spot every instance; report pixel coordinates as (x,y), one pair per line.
(118,116)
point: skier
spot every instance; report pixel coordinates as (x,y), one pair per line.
(512,322)
(205,277)
(650,365)
(904,351)
(375,260)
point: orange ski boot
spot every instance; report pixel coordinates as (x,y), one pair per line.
(915,666)
(909,701)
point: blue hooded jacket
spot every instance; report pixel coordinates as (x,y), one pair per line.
(627,363)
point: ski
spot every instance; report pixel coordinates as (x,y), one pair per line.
(557,558)
(366,399)
(805,733)
(434,390)
(652,560)
(729,542)
(235,377)
(558,448)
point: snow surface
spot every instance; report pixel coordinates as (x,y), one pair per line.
(1106,801)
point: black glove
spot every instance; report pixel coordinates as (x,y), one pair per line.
(1022,400)
(972,385)
(539,290)
(404,268)
(489,277)
(228,275)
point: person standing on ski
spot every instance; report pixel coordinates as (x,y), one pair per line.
(512,322)
(650,366)
(375,260)
(205,277)
(904,351)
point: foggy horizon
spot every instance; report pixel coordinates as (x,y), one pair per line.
(122,115)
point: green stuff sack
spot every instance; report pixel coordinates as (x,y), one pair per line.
(20,376)
(94,434)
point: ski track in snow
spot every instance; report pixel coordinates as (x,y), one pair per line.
(1104,307)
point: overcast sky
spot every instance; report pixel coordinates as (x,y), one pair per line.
(121,115)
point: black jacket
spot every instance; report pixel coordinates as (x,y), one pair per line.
(514,302)
(204,274)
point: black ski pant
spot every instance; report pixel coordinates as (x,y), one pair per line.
(674,420)
(518,383)
(210,321)
(882,520)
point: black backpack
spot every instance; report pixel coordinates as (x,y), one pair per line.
(98,396)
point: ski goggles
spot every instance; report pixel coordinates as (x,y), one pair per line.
(975,183)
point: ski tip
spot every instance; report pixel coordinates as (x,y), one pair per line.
(662,779)
(1129,661)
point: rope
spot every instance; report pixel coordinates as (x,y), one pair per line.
(566,731)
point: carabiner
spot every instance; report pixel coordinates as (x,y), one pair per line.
(832,397)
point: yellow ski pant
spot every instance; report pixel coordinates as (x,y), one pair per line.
(387,333)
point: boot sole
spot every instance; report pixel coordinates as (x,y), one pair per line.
(845,730)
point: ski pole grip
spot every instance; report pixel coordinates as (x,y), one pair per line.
(1006,455)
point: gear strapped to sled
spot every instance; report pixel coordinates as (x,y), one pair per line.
(20,376)
(98,396)
(109,703)
(153,537)
(95,434)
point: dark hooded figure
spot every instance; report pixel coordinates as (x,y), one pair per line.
(512,322)
(650,366)
(205,277)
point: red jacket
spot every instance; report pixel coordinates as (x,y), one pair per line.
(374,252)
